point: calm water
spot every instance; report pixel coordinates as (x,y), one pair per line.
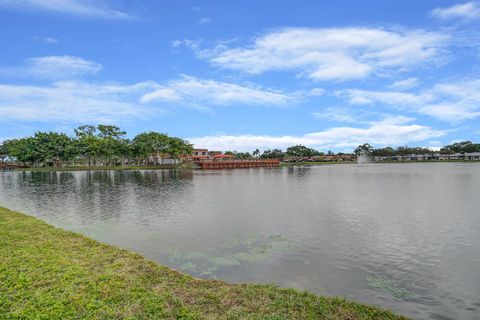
(400,236)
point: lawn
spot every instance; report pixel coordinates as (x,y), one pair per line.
(50,273)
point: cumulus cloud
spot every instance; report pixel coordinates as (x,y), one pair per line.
(390,131)
(329,53)
(202,92)
(53,67)
(87,8)
(85,101)
(463,11)
(452,102)
(404,84)
(73,101)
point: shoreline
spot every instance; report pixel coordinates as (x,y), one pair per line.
(191,166)
(56,274)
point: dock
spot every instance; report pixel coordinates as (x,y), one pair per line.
(11,166)
(238,164)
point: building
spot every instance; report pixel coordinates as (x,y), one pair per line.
(200,154)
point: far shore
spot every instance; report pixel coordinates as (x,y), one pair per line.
(190,166)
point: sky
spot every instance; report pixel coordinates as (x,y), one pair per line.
(240,75)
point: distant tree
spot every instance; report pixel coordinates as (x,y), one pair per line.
(54,148)
(363,149)
(300,151)
(272,154)
(256,153)
(3,151)
(24,150)
(87,143)
(243,155)
(177,147)
(153,144)
(388,152)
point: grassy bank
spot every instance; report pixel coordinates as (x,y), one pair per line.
(96,168)
(49,273)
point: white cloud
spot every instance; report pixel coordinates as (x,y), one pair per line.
(162,94)
(87,8)
(53,67)
(317,92)
(394,98)
(453,102)
(204,20)
(330,53)
(390,131)
(464,11)
(404,84)
(73,101)
(200,92)
(50,40)
(84,101)
(338,114)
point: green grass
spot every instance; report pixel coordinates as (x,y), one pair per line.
(96,168)
(50,273)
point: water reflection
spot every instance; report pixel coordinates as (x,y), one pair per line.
(367,232)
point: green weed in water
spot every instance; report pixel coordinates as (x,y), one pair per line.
(237,250)
(388,286)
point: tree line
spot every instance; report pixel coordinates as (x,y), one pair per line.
(459,147)
(94,145)
(300,151)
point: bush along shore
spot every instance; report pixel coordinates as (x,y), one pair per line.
(50,273)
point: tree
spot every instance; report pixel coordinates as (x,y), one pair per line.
(152,144)
(110,142)
(363,150)
(243,155)
(383,152)
(53,148)
(177,147)
(3,151)
(256,153)
(22,150)
(300,151)
(87,143)
(272,154)
(462,147)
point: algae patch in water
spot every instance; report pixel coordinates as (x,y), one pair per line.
(237,250)
(389,286)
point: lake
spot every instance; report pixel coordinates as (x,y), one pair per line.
(400,236)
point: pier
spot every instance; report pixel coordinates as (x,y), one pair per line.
(237,164)
(11,166)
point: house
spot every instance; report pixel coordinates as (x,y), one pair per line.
(200,154)
(472,156)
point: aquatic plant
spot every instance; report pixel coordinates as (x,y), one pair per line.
(237,250)
(388,285)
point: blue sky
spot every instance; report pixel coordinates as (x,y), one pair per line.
(241,75)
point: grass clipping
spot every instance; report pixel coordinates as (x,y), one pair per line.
(49,273)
